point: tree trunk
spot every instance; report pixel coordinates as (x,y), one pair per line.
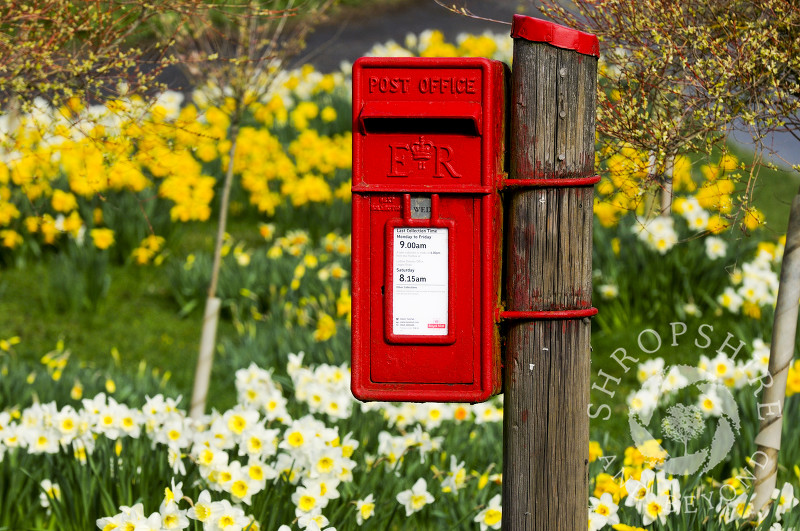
(205,357)
(668,188)
(784,330)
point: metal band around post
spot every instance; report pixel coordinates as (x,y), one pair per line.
(551,183)
(548,314)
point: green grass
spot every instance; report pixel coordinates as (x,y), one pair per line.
(138,318)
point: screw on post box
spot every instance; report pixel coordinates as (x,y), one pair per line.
(428,150)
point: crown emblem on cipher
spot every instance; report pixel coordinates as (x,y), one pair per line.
(422,151)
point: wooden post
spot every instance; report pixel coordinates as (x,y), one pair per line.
(548,278)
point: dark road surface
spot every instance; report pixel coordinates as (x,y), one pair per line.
(354,33)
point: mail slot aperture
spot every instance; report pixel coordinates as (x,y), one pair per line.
(432,117)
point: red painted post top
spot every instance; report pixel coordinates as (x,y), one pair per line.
(538,30)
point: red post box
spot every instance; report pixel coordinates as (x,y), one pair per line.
(428,155)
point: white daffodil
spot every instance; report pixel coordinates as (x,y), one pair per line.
(608,291)
(596,522)
(173,518)
(673,380)
(643,401)
(697,221)
(692,309)
(736,509)
(50,491)
(730,300)
(415,498)
(658,233)
(307,501)
(315,521)
(649,368)
(201,511)
(604,507)
(671,489)
(457,476)
(710,403)
(785,500)
(491,517)
(226,517)
(365,509)
(655,507)
(715,247)
(638,489)
(721,367)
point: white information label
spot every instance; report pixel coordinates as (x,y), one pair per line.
(419,282)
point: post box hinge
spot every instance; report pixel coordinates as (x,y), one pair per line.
(569,182)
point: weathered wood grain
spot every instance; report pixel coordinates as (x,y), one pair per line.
(548,267)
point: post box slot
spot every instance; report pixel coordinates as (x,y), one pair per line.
(460,118)
(450,126)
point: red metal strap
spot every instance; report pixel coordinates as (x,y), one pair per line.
(549,314)
(538,30)
(548,183)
